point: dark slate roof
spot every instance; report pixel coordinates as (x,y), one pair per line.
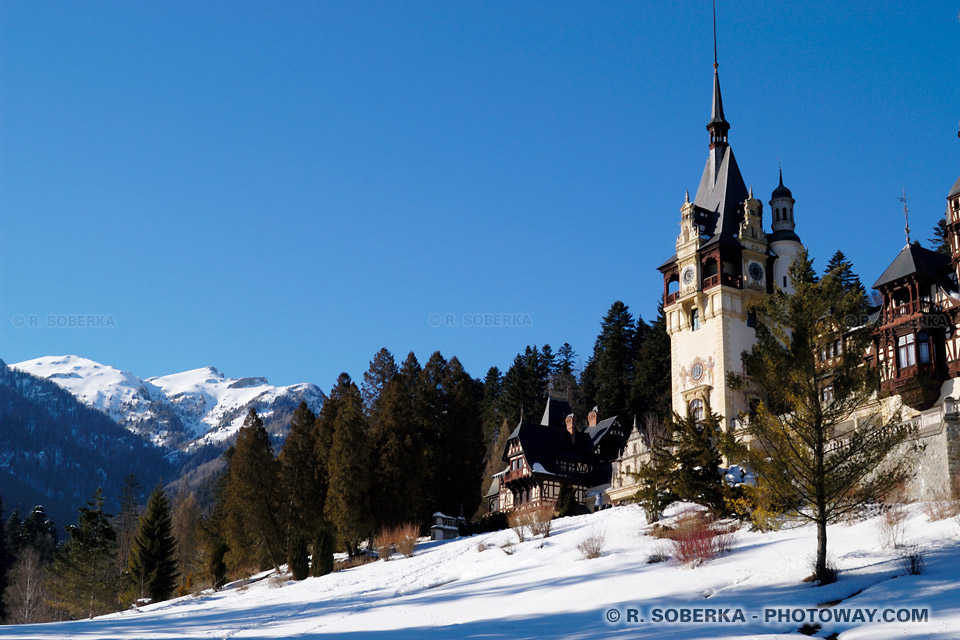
(716,110)
(544,445)
(721,194)
(781,191)
(596,433)
(783,234)
(555,413)
(914,259)
(955,190)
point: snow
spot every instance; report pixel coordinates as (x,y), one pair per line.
(186,409)
(543,588)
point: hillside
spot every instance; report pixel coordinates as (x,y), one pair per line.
(544,589)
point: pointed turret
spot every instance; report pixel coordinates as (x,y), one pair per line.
(718,125)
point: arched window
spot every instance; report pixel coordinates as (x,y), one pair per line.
(923,347)
(695,319)
(697,409)
(776,215)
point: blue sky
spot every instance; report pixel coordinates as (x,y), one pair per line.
(281,189)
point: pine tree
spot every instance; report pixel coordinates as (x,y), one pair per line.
(84,579)
(458,463)
(152,568)
(382,370)
(563,379)
(796,428)
(940,241)
(300,486)
(525,386)
(186,529)
(348,467)
(251,523)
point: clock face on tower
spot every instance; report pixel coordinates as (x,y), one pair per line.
(756,271)
(688,275)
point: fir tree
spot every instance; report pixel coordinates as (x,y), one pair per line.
(251,524)
(614,360)
(842,268)
(300,486)
(940,241)
(152,568)
(126,521)
(348,467)
(84,579)
(382,370)
(651,386)
(798,424)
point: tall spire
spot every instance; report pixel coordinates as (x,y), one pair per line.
(718,125)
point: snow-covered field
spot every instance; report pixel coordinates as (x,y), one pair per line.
(545,589)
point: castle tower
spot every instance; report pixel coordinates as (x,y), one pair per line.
(784,241)
(724,263)
(953,224)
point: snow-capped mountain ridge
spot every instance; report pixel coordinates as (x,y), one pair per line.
(177,411)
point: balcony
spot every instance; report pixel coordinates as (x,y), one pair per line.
(914,307)
(516,474)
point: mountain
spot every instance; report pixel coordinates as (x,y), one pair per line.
(183,412)
(56,451)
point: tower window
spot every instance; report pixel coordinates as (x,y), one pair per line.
(776,214)
(752,319)
(695,319)
(784,281)
(923,347)
(696,409)
(906,353)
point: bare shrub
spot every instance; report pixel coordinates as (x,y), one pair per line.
(697,539)
(482,546)
(355,561)
(507,548)
(520,522)
(383,543)
(660,555)
(941,507)
(892,525)
(541,519)
(913,561)
(829,574)
(591,546)
(405,538)
(277,580)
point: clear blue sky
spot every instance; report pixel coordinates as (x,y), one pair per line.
(281,188)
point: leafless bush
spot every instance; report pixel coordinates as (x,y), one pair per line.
(892,525)
(941,507)
(660,555)
(507,548)
(697,539)
(541,519)
(913,561)
(277,580)
(520,522)
(405,538)
(482,546)
(383,543)
(591,546)
(355,561)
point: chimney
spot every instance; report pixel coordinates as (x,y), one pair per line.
(592,418)
(571,429)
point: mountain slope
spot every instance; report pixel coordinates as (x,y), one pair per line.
(183,411)
(56,450)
